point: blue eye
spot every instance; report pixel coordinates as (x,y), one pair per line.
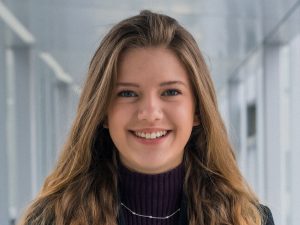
(127,93)
(171,92)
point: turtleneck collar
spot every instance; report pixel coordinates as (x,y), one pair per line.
(151,194)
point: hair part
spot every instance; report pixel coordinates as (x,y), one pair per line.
(83,189)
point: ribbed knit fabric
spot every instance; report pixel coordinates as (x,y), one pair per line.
(153,195)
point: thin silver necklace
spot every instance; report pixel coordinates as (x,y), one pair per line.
(150,217)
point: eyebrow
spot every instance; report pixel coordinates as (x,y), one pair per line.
(166,83)
(172,82)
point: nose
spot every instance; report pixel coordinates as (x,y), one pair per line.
(150,109)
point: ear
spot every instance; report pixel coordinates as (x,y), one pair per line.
(196,120)
(105,123)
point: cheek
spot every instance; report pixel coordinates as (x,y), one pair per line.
(119,115)
(183,112)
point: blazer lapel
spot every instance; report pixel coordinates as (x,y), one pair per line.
(183,211)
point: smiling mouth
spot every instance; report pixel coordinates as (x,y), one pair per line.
(150,135)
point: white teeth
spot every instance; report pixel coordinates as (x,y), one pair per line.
(152,135)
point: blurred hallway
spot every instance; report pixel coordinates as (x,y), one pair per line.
(251,47)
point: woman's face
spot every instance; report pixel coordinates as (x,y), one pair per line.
(152,113)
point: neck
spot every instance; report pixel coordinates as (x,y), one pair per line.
(157,195)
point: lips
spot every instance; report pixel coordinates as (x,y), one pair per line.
(150,134)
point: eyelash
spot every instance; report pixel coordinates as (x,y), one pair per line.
(172,90)
(133,94)
(121,93)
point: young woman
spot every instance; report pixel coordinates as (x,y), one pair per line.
(148,145)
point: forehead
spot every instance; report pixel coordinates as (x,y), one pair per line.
(150,64)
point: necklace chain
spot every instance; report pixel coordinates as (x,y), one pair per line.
(150,217)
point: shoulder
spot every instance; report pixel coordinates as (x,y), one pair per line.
(267,215)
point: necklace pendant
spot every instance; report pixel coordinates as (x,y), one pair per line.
(149,217)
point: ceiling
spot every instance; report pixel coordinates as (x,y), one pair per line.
(227,31)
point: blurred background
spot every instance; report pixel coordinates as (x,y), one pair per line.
(252,48)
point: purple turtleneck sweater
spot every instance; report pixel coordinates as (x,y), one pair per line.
(156,195)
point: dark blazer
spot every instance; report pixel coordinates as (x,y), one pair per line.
(183,220)
(269,217)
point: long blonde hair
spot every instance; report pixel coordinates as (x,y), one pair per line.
(83,187)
